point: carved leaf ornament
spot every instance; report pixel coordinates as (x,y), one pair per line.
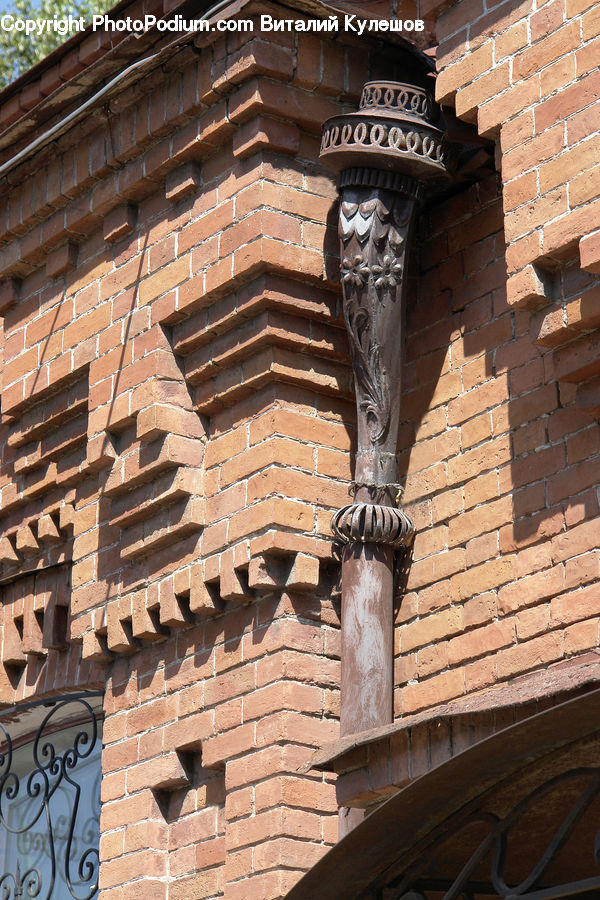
(372,232)
(386,153)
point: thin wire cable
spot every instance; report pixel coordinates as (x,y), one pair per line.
(65,124)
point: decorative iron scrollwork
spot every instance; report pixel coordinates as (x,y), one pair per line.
(48,841)
(395,97)
(420,144)
(374,225)
(494,845)
(394,128)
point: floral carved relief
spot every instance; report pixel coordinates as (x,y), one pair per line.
(390,153)
(373,229)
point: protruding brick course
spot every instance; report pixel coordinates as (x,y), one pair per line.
(171,389)
(531,88)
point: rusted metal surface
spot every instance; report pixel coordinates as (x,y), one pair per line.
(372,860)
(371,523)
(374,226)
(548,687)
(367,634)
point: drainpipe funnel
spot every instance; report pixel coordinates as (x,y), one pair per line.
(389,153)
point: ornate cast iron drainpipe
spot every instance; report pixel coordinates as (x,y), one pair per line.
(389,152)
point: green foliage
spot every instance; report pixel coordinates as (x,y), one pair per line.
(19,51)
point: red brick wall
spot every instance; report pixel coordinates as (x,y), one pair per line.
(177,417)
(502,479)
(527,75)
(504,473)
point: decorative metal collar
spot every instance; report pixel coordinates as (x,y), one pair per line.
(392,129)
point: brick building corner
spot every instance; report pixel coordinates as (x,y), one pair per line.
(179,425)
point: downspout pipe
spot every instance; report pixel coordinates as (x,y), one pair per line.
(389,153)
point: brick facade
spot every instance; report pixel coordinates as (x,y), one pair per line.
(178,423)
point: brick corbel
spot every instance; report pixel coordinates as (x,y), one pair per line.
(483,94)
(61,260)
(589,252)
(119,222)
(9,294)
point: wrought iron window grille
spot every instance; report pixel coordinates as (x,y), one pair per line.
(50,798)
(494,851)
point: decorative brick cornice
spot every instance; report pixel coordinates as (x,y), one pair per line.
(548,150)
